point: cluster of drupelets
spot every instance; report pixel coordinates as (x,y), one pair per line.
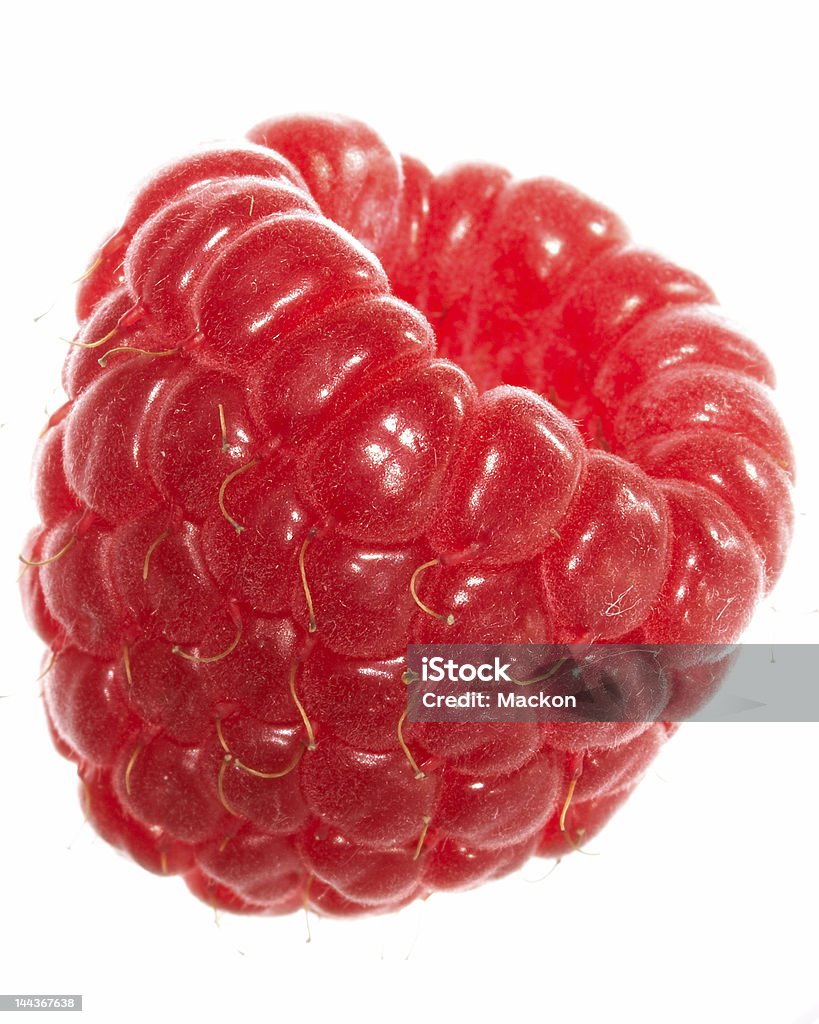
(270,457)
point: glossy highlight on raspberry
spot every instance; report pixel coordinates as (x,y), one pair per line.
(322,404)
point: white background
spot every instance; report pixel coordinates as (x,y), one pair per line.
(697,123)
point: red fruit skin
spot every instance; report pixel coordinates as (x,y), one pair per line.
(375,878)
(701,398)
(364,595)
(479,748)
(606,771)
(226,897)
(605,568)
(31,591)
(166,692)
(88,707)
(243,868)
(101,332)
(323,404)
(512,480)
(671,338)
(174,600)
(542,235)
(485,603)
(173,250)
(188,456)
(354,700)
(180,178)
(323,369)
(259,565)
(587,819)
(715,574)
(241,309)
(394,452)
(618,291)
(396,802)
(748,480)
(255,679)
(165,784)
(500,810)
(402,253)
(461,203)
(627,682)
(54,498)
(106,457)
(357,181)
(83,602)
(153,848)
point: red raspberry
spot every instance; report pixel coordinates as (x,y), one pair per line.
(267,480)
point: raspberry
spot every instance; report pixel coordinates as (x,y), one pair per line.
(323,404)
